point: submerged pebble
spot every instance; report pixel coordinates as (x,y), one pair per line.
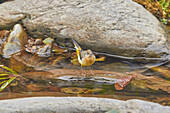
(15,41)
(43,48)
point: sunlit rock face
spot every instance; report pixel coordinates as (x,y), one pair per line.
(120,27)
(15,41)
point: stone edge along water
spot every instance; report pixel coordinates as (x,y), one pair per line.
(78,105)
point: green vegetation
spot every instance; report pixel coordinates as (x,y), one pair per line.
(159,8)
(165,5)
(7,77)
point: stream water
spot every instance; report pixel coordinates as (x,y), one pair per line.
(87,86)
(58,76)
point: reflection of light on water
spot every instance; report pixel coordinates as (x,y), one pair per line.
(105,80)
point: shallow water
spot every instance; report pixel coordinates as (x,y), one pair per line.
(89,86)
(61,75)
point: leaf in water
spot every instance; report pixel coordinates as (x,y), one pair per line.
(48,40)
(7,83)
(34,87)
(74,90)
(163,70)
(120,83)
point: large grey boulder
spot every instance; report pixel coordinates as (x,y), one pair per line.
(120,27)
(78,105)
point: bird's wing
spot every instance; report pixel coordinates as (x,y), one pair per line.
(78,48)
(76,45)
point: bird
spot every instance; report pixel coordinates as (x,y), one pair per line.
(85,57)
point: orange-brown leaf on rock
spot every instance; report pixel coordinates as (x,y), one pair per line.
(122,82)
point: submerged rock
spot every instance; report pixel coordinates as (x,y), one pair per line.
(3,36)
(46,50)
(15,41)
(43,48)
(120,27)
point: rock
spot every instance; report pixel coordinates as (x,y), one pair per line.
(78,105)
(1,1)
(120,27)
(46,50)
(3,36)
(139,106)
(43,48)
(15,41)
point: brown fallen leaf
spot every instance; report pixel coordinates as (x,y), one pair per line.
(54,88)
(34,87)
(122,82)
(74,90)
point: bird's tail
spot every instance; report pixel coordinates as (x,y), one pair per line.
(78,48)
